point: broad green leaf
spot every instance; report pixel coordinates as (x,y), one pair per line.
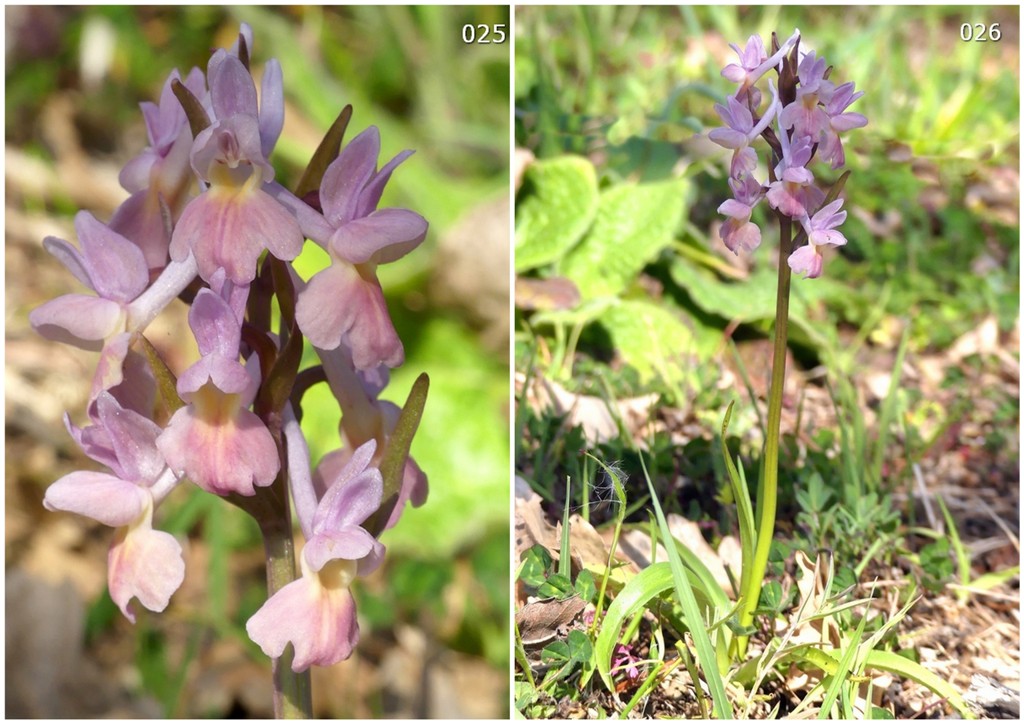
(753,300)
(649,338)
(553,218)
(585,587)
(633,224)
(557,585)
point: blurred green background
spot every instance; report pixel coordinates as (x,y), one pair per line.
(437,613)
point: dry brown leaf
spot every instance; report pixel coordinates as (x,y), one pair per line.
(588,412)
(541,621)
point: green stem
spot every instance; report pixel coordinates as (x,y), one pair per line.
(767,493)
(292,692)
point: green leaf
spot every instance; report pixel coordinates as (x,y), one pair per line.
(706,654)
(392,465)
(649,338)
(896,664)
(325,153)
(633,224)
(770,601)
(585,586)
(166,383)
(645,586)
(198,121)
(556,586)
(535,566)
(839,677)
(552,219)
(580,648)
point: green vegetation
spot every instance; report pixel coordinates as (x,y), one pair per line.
(633,295)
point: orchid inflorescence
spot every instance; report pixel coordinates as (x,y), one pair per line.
(203,208)
(803,120)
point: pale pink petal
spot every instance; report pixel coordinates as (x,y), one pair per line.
(70,257)
(232,90)
(271,106)
(381,237)
(137,388)
(371,194)
(787,199)
(735,209)
(145,564)
(103,497)
(145,220)
(229,230)
(133,438)
(110,368)
(728,138)
(221,455)
(831,237)
(849,121)
(350,543)
(734,72)
(349,502)
(116,266)
(134,176)
(414,490)
(347,175)
(738,235)
(340,305)
(319,621)
(744,161)
(807,261)
(214,325)
(77,319)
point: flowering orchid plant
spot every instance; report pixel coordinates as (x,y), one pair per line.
(801,121)
(206,222)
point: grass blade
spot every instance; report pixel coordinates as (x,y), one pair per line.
(706,656)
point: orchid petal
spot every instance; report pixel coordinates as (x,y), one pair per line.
(103,497)
(271,106)
(320,622)
(347,175)
(145,564)
(77,319)
(382,237)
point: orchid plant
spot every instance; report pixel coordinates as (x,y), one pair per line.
(207,222)
(799,123)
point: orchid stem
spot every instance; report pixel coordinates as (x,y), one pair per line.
(292,691)
(768,484)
